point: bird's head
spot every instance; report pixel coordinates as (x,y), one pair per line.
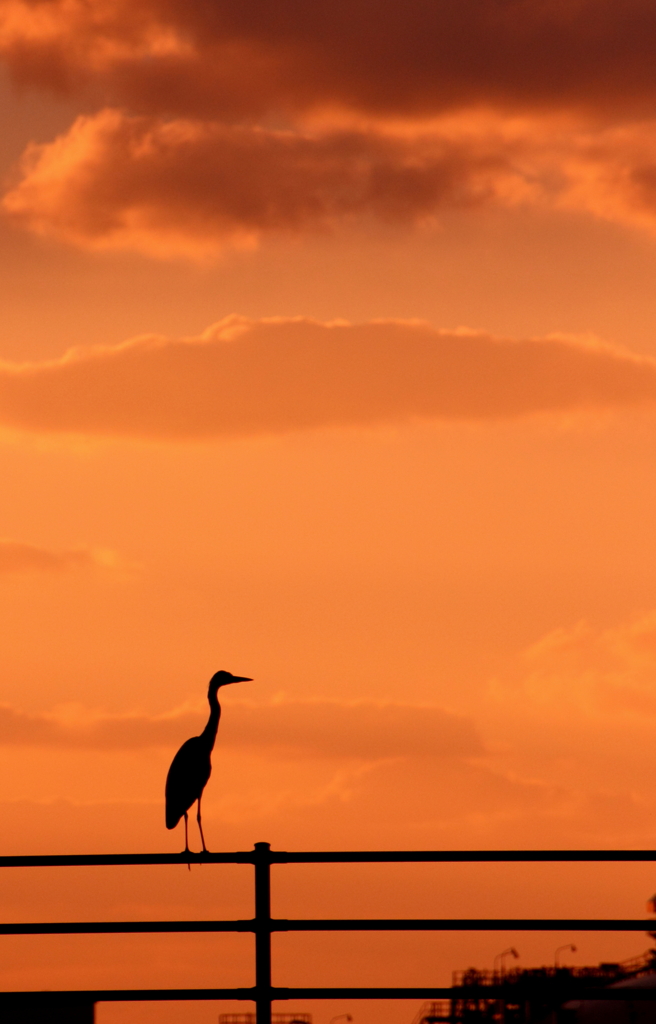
(224,679)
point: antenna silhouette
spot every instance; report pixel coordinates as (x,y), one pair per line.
(192,765)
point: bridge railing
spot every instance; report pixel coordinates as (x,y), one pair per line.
(262,925)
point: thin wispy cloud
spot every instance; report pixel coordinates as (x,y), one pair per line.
(18,557)
(586,671)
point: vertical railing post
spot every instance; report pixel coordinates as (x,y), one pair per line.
(262,933)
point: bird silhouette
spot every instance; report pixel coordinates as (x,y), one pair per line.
(192,765)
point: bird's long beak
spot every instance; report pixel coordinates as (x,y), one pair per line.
(241,679)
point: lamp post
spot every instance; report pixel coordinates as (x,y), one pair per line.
(511,951)
(569,946)
(651,907)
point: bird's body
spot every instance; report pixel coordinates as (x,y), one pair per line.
(188,775)
(192,765)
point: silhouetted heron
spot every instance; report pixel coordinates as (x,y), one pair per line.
(192,765)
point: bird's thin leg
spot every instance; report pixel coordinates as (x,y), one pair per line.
(186,849)
(200,826)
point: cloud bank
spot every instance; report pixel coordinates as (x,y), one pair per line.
(252,377)
(360,730)
(428,106)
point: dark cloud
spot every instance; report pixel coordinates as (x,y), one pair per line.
(227,58)
(246,377)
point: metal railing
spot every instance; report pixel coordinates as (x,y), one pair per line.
(262,925)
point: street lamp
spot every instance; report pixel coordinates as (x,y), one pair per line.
(511,951)
(569,946)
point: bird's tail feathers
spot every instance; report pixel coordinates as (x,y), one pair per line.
(172,818)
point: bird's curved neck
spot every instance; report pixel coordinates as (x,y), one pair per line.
(209,732)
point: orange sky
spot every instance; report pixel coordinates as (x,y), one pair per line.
(327,357)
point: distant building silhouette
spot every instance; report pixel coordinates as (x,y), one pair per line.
(547,995)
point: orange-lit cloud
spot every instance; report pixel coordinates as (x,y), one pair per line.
(317,728)
(191,187)
(245,377)
(416,57)
(18,557)
(593,672)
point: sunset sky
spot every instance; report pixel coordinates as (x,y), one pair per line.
(328,357)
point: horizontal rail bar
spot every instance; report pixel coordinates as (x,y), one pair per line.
(327,857)
(457,856)
(333,925)
(118,927)
(127,995)
(122,859)
(466,924)
(564,993)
